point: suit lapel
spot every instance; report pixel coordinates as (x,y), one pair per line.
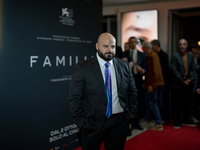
(98,73)
(187,61)
(181,60)
(117,72)
(138,57)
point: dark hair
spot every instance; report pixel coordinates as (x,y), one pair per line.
(132,37)
(155,42)
(192,45)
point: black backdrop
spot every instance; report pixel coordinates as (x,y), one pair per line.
(40,43)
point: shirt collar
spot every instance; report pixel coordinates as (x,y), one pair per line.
(133,49)
(102,62)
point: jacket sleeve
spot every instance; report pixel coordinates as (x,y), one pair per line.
(132,96)
(174,70)
(157,71)
(198,75)
(75,97)
(193,69)
(144,64)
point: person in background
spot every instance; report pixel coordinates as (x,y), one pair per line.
(119,53)
(126,46)
(197,93)
(137,63)
(197,96)
(182,76)
(163,90)
(193,49)
(103,97)
(153,79)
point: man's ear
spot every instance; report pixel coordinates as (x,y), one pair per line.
(97,45)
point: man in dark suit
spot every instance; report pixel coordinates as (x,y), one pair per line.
(197,92)
(183,74)
(137,63)
(103,97)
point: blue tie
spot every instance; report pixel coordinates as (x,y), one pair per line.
(108,87)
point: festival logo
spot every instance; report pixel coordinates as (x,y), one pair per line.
(67,17)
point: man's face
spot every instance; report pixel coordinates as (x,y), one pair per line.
(154,47)
(182,46)
(126,46)
(194,50)
(141,24)
(145,49)
(132,43)
(106,48)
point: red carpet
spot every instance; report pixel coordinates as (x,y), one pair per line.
(185,138)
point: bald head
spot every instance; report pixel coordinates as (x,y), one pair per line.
(105,36)
(106,46)
(182,46)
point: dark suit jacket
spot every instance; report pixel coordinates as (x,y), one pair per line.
(141,61)
(198,74)
(87,94)
(164,62)
(119,53)
(178,69)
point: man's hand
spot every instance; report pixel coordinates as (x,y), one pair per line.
(187,82)
(198,90)
(124,58)
(135,63)
(130,126)
(130,66)
(150,89)
(139,69)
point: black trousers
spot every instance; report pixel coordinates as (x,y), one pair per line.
(113,133)
(140,99)
(196,104)
(182,99)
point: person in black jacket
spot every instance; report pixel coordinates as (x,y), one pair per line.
(103,97)
(183,75)
(163,91)
(137,63)
(197,94)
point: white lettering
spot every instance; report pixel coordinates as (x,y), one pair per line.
(33,61)
(70,60)
(47,62)
(73,131)
(54,132)
(60,61)
(76,60)
(65,134)
(55,138)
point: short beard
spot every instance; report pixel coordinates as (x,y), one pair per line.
(182,51)
(103,56)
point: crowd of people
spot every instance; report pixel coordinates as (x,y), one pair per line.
(106,93)
(160,77)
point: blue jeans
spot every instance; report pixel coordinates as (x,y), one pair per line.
(152,106)
(162,96)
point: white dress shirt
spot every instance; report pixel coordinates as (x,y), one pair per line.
(135,51)
(116,107)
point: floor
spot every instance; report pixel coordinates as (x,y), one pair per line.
(136,132)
